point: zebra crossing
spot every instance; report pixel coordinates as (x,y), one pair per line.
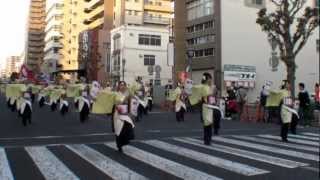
(229,157)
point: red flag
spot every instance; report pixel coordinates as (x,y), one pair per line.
(26,73)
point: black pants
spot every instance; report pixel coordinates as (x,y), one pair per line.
(33,96)
(84,113)
(53,106)
(284,131)
(217,121)
(64,110)
(150,105)
(294,123)
(180,115)
(140,112)
(41,102)
(207,134)
(125,136)
(26,116)
(13,106)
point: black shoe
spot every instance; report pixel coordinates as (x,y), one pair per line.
(285,140)
(207,143)
(120,150)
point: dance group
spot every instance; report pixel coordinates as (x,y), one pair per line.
(125,104)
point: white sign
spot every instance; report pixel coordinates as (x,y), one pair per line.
(239,73)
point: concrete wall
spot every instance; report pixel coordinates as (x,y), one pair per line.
(244,43)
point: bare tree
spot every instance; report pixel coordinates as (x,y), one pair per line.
(291,24)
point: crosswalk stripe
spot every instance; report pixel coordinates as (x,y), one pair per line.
(5,171)
(279,143)
(268,148)
(208,159)
(164,164)
(304,137)
(312,134)
(110,167)
(243,153)
(292,140)
(49,165)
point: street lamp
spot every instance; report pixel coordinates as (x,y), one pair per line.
(190,55)
(123,66)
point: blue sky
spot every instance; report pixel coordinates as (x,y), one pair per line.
(13,14)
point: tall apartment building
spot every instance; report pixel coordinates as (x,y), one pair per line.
(140,40)
(13,64)
(35,35)
(95,40)
(73,18)
(52,55)
(197,32)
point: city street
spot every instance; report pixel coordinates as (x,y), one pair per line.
(62,148)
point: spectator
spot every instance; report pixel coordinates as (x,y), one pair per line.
(304,100)
(317,96)
(241,97)
(263,101)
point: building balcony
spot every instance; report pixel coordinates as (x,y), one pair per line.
(94,24)
(52,34)
(36,43)
(52,44)
(92,4)
(156,20)
(35,38)
(53,56)
(160,8)
(96,13)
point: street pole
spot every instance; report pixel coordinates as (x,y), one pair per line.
(123,66)
(190,55)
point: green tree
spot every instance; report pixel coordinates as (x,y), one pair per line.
(290,25)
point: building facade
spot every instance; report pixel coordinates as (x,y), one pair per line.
(197,38)
(73,24)
(144,26)
(140,51)
(35,35)
(95,41)
(13,64)
(244,44)
(53,31)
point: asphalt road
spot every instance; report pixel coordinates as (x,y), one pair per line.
(54,147)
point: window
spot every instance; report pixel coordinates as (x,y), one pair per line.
(201,40)
(149,60)
(199,8)
(157,82)
(257,2)
(203,52)
(153,40)
(200,27)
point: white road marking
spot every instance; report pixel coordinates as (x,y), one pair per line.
(243,153)
(165,165)
(54,137)
(312,143)
(5,171)
(110,167)
(312,134)
(304,137)
(49,165)
(208,159)
(268,148)
(278,143)
(312,169)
